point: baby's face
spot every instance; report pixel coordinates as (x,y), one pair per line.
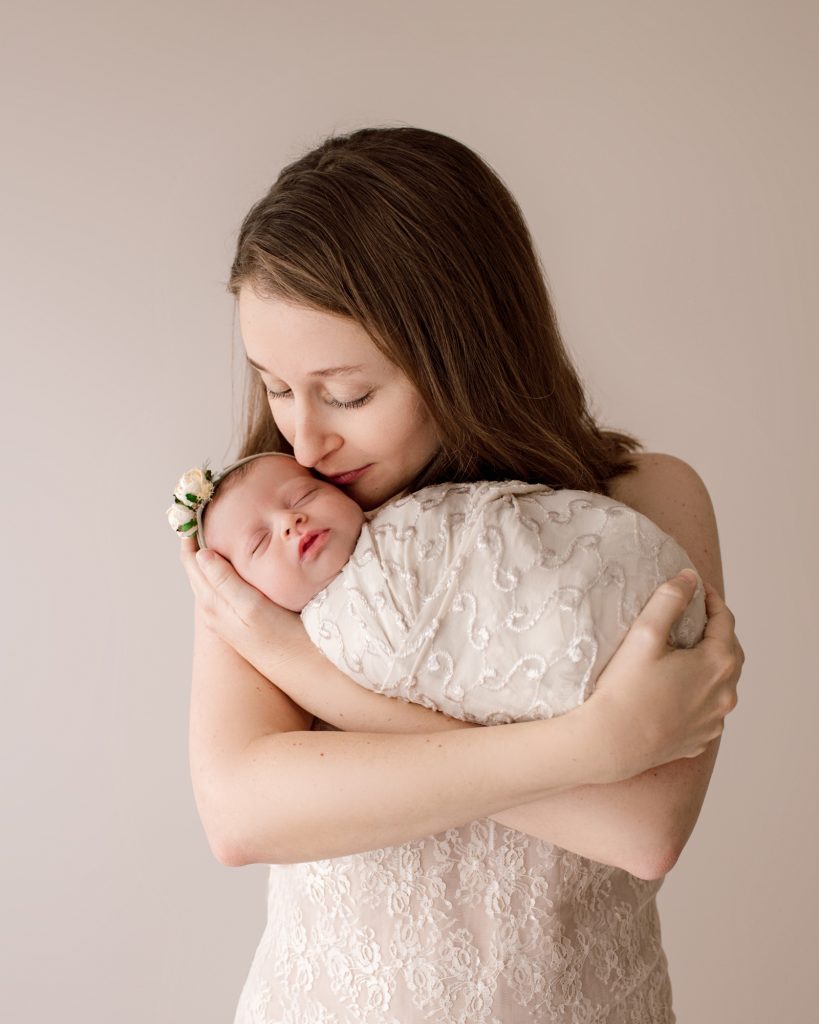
(283,530)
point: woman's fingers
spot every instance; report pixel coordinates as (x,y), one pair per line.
(237,594)
(663,608)
(721,622)
(721,640)
(187,556)
(719,630)
(721,619)
(654,703)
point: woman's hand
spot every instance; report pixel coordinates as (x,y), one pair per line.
(261,631)
(655,703)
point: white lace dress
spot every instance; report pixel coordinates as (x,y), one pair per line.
(481,924)
(476,925)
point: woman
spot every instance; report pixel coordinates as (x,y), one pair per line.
(395,313)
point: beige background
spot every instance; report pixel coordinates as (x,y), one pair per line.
(666,158)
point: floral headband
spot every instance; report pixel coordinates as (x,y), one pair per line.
(194,490)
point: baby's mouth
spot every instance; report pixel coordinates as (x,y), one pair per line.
(307,540)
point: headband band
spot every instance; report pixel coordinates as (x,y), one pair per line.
(194,490)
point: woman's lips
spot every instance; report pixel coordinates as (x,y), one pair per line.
(347,478)
(312,543)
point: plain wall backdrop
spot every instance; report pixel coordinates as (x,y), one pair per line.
(666,159)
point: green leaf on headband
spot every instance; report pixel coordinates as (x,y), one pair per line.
(194,498)
(186,526)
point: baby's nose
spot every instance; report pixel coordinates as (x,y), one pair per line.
(291,521)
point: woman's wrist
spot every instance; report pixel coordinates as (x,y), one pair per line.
(546,756)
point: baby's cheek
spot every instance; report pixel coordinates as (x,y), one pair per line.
(263,578)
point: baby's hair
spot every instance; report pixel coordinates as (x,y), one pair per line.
(226,482)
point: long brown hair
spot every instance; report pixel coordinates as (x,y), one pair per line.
(412,235)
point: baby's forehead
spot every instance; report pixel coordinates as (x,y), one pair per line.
(261,479)
(276,468)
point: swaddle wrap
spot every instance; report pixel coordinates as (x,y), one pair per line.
(495,601)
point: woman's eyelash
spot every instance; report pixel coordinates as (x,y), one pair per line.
(338,405)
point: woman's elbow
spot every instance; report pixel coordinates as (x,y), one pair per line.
(233,851)
(655,858)
(219,822)
(686,783)
(652,868)
(227,850)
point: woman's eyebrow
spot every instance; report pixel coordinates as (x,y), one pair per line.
(330,371)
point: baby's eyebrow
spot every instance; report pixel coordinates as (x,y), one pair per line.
(330,371)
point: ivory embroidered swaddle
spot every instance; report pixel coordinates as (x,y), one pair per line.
(495,601)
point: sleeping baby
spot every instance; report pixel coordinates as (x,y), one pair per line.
(494,601)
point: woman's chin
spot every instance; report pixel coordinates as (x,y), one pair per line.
(367,498)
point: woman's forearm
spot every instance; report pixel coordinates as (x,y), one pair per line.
(639,824)
(299,796)
(627,824)
(398,792)
(270,790)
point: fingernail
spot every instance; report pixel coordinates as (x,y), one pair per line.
(689,575)
(204,557)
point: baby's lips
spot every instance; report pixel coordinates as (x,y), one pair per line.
(302,546)
(308,540)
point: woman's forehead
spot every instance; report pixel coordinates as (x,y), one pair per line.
(282,338)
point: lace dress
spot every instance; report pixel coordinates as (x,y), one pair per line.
(480,924)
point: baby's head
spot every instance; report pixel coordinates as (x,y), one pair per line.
(284,531)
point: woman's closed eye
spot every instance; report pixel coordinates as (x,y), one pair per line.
(331,401)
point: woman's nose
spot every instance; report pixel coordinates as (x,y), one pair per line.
(311,443)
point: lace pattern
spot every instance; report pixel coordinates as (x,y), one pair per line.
(480,924)
(496,601)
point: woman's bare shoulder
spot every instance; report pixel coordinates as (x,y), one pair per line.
(654,473)
(670,492)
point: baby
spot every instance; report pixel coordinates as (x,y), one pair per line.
(491,601)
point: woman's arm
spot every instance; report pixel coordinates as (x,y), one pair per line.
(268,793)
(640,824)
(646,820)
(608,822)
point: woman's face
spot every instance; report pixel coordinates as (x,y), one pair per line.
(337,400)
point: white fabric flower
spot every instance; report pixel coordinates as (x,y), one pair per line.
(194,487)
(182,519)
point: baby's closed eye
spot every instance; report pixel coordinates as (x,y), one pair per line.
(306,494)
(257,544)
